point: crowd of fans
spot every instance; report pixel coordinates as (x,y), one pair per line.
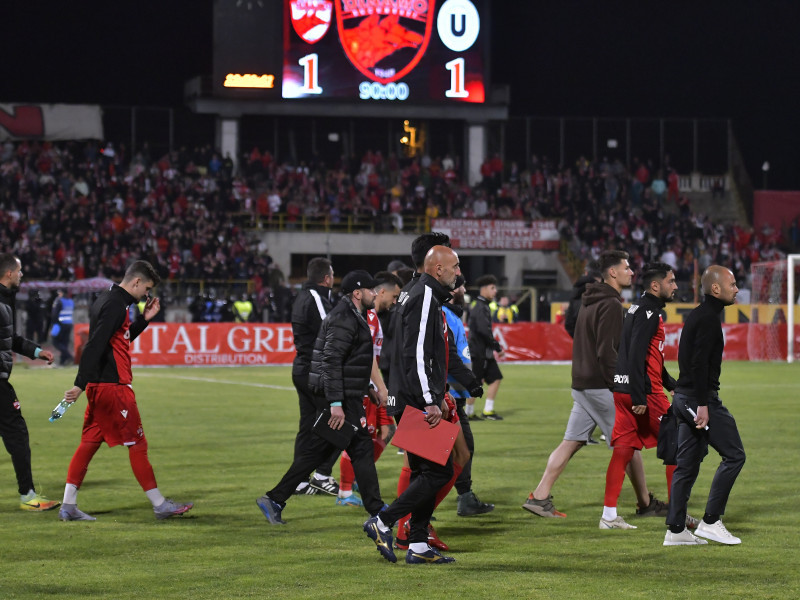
(82,209)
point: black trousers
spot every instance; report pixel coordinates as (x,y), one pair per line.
(14,432)
(308,414)
(427,478)
(315,449)
(723,436)
(464,480)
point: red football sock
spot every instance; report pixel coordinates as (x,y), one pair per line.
(402,485)
(142,469)
(346,474)
(80,462)
(615,475)
(378,445)
(442,494)
(670,472)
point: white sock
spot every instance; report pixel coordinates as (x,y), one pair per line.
(419,547)
(609,513)
(489,406)
(345,493)
(319,477)
(29,496)
(469,409)
(382,526)
(70,494)
(155,497)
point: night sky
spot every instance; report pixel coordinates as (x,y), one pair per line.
(584,58)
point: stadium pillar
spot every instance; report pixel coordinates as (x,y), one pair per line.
(228,138)
(476,136)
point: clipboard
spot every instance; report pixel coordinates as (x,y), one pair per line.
(415,435)
(338,437)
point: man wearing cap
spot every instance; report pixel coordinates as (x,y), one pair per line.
(341,364)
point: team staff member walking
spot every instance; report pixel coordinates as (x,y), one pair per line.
(418,375)
(112,415)
(341,365)
(13,428)
(702,418)
(482,344)
(313,303)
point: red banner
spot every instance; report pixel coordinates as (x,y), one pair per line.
(231,344)
(499,234)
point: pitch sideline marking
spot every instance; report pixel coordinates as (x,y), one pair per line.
(226,382)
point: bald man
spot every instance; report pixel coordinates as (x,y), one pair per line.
(417,377)
(702,418)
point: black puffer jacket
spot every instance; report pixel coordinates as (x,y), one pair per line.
(342,359)
(10,342)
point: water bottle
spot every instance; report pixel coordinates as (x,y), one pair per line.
(59,410)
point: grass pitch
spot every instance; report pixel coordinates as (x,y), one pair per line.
(221,437)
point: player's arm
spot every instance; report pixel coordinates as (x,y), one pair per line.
(611,315)
(377,380)
(642,331)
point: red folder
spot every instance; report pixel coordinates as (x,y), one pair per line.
(414,434)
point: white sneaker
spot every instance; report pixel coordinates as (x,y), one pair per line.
(684,538)
(618,523)
(717,533)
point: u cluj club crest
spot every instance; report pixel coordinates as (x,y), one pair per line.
(384,39)
(311,18)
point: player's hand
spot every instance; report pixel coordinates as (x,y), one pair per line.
(72,394)
(476,392)
(639,409)
(383,397)
(445,410)
(337,417)
(151,308)
(46,355)
(433,415)
(702,417)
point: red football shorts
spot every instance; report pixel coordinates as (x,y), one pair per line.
(638,431)
(111,415)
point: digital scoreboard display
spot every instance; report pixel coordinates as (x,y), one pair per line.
(392,51)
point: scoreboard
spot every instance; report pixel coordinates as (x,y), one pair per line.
(356,51)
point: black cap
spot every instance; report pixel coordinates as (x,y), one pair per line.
(356,280)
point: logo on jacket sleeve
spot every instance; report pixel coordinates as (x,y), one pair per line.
(649,313)
(622,379)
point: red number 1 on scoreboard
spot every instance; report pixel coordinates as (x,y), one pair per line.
(457,89)
(310,64)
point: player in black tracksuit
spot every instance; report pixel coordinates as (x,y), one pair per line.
(700,362)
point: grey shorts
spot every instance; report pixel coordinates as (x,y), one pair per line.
(590,408)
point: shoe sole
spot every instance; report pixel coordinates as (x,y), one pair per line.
(332,492)
(181,511)
(539,511)
(606,526)
(383,548)
(69,518)
(40,508)
(474,513)
(713,538)
(666,543)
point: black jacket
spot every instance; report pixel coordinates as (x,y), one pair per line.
(341,362)
(640,361)
(418,368)
(10,342)
(313,302)
(700,351)
(571,316)
(481,341)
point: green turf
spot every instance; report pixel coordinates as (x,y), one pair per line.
(221,437)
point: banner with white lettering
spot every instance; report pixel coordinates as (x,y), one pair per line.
(53,122)
(208,344)
(497,234)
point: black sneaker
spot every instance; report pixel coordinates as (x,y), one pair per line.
(475,417)
(382,540)
(271,509)
(656,508)
(327,485)
(304,488)
(469,505)
(429,557)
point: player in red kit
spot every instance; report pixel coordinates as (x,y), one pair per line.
(105,373)
(639,383)
(378,422)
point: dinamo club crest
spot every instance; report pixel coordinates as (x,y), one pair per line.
(385,39)
(311,18)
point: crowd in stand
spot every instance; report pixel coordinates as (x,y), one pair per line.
(82,209)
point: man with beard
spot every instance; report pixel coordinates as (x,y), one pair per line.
(702,418)
(639,383)
(341,364)
(13,428)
